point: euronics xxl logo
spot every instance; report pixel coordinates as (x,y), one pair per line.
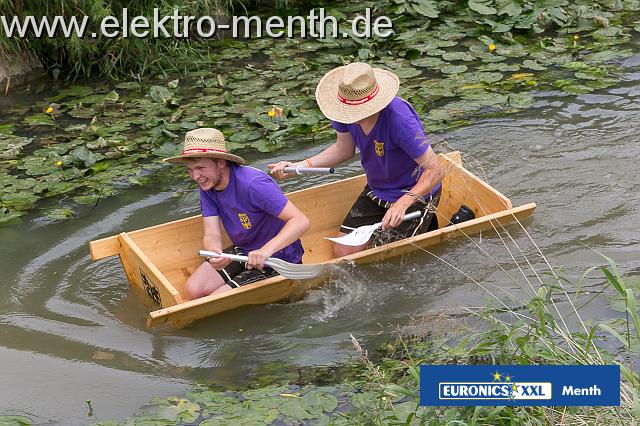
(489,390)
(525,385)
(502,386)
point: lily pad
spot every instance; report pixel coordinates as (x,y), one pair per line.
(406,73)
(167,149)
(62,213)
(160,94)
(9,217)
(533,65)
(99,99)
(521,100)
(482,7)
(428,62)
(84,155)
(39,120)
(19,201)
(457,56)
(246,136)
(453,69)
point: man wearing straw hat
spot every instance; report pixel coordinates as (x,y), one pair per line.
(401,168)
(259,219)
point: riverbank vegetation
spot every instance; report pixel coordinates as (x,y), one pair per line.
(509,22)
(551,328)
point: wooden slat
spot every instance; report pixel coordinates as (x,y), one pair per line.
(492,221)
(266,291)
(104,247)
(139,263)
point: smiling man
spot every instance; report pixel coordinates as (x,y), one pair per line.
(259,219)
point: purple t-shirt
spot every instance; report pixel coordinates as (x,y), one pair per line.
(388,153)
(248,208)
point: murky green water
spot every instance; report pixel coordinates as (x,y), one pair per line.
(71,330)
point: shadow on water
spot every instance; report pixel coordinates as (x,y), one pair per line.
(71,329)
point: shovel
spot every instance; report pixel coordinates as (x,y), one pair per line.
(362,234)
(290,270)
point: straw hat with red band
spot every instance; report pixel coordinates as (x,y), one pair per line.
(350,93)
(205,143)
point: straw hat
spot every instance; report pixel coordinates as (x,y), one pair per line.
(205,143)
(352,92)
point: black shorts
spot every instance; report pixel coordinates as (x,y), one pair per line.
(369,209)
(236,274)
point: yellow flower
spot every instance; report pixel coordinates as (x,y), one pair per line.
(59,163)
(576,37)
(492,47)
(275,112)
(49,109)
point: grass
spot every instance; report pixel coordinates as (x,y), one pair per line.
(116,57)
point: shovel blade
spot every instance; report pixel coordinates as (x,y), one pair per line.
(355,238)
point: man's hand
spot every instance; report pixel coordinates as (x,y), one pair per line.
(218,262)
(396,213)
(257,258)
(277,169)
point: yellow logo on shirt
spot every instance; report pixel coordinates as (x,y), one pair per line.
(244,220)
(379,148)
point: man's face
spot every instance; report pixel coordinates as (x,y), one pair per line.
(206,172)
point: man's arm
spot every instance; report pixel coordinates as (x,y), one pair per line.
(296,223)
(432,174)
(342,150)
(212,241)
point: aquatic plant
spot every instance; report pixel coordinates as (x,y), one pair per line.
(453,71)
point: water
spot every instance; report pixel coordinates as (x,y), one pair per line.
(71,330)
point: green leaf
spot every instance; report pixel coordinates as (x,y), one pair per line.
(160,94)
(615,334)
(508,7)
(533,65)
(521,100)
(99,99)
(457,56)
(83,154)
(19,200)
(60,214)
(167,149)
(427,62)
(39,120)
(364,53)
(453,69)
(15,421)
(295,408)
(482,7)
(426,8)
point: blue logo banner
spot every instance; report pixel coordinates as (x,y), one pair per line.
(572,385)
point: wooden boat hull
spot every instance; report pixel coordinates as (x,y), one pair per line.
(158,260)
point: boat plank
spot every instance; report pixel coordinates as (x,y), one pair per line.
(146,273)
(105,247)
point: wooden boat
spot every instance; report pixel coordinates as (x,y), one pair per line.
(159,259)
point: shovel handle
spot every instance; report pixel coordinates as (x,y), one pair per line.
(412,215)
(236,257)
(300,170)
